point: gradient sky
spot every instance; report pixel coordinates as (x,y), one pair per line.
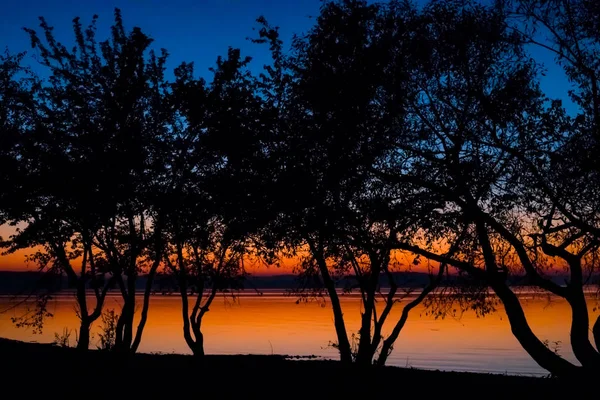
(191,30)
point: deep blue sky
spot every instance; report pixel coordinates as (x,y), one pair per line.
(191,30)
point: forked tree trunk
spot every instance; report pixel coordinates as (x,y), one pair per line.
(198,348)
(365,353)
(83,340)
(191,328)
(520,328)
(388,343)
(584,351)
(366,350)
(123,339)
(192,332)
(596,333)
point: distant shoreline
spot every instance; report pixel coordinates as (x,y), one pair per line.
(23,282)
(273,292)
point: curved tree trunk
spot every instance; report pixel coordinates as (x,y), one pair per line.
(196,341)
(596,333)
(388,343)
(540,353)
(83,340)
(519,326)
(198,348)
(582,347)
(338,316)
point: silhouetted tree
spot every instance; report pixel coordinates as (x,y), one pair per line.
(214,202)
(136,121)
(51,208)
(88,167)
(560,169)
(18,89)
(568,182)
(480,126)
(17,108)
(335,97)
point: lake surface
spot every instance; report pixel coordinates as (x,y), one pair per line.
(275,324)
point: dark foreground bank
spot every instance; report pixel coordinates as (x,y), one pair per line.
(30,369)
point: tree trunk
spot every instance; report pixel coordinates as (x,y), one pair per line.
(124,329)
(196,342)
(366,350)
(365,353)
(83,341)
(540,353)
(198,349)
(338,316)
(84,329)
(145,307)
(128,328)
(119,330)
(596,332)
(388,343)
(580,326)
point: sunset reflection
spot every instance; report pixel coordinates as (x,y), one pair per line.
(275,324)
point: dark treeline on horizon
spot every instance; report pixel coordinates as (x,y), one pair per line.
(385,129)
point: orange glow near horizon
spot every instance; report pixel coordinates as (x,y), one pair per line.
(17,262)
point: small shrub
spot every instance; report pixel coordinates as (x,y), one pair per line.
(62,339)
(108,330)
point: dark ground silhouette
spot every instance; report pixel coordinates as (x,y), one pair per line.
(33,369)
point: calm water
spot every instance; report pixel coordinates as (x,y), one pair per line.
(274,323)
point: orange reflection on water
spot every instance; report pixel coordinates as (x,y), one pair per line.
(275,324)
